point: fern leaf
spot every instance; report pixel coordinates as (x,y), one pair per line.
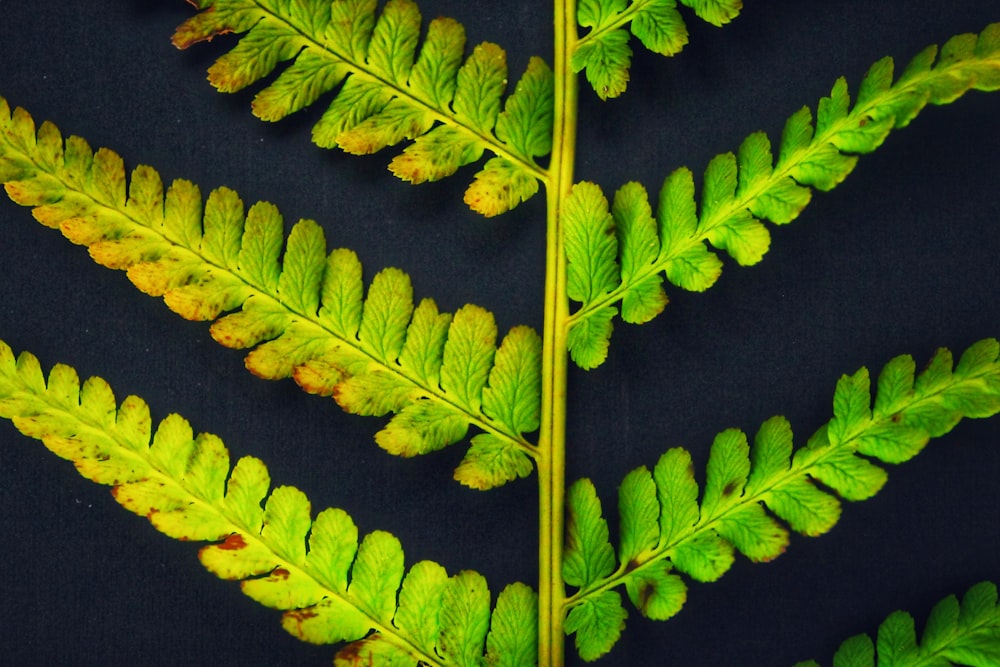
(666,531)
(742,190)
(330,587)
(303,311)
(392,88)
(716,12)
(604,54)
(513,637)
(956,633)
(588,554)
(597,624)
(590,244)
(465,616)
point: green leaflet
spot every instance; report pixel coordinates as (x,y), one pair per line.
(956,633)
(330,587)
(604,54)
(591,249)
(666,531)
(513,637)
(740,191)
(304,312)
(597,623)
(716,12)
(393,88)
(465,617)
(588,556)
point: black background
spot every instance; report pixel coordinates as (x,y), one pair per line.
(901,258)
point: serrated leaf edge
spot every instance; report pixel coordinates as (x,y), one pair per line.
(159,241)
(42,409)
(877,107)
(978,372)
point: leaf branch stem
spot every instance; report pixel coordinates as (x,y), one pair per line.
(551,457)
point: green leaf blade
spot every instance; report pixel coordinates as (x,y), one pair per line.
(303,267)
(605,62)
(513,637)
(591,245)
(526,120)
(333,544)
(657,594)
(597,623)
(386,314)
(437,65)
(377,575)
(590,338)
(716,12)
(468,355)
(513,394)
(419,601)
(639,512)
(588,553)
(677,492)
(660,27)
(491,462)
(465,614)
(704,557)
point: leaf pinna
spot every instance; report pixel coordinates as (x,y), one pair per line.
(303,311)
(666,531)
(331,587)
(956,633)
(623,251)
(392,88)
(603,53)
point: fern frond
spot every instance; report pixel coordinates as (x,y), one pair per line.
(331,587)
(754,494)
(393,88)
(742,190)
(304,312)
(604,54)
(956,633)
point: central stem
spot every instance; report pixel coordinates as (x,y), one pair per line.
(552,438)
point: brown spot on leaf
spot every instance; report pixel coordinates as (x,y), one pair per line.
(281,573)
(234,542)
(769,558)
(352,653)
(185,37)
(299,616)
(645,593)
(729,489)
